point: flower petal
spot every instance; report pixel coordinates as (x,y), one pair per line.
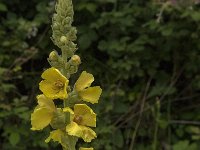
(87,114)
(91,94)
(85,133)
(40,118)
(69,110)
(74,129)
(82,148)
(63,93)
(88,134)
(52,74)
(55,135)
(84,81)
(43,101)
(51,92)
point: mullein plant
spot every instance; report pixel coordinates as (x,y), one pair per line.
(74,119)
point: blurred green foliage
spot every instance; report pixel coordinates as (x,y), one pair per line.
(145,56)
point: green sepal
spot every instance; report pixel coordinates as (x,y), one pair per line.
(59,120)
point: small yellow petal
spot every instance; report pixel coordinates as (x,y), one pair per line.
(43,101)
(82,148)
(91,94)
(67,109)
(56,136)
(40,118)
(84,81)
(52,74)
(74,129)
(88,117)
(88,134)
(47,88)
(85,133)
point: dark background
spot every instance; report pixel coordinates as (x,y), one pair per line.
(144,54)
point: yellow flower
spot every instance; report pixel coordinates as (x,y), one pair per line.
(54,84)
(85,92)
(82,148)
(43,113)
(80,118)
(56,136)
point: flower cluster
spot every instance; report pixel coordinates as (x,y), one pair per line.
(81,117)
(75,118)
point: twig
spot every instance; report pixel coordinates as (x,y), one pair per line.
(185,122)
(140,115)
(173,82)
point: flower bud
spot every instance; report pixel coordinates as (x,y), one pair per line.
(75,60)
(55,26)
(63,39)
(66,21)
(53,56)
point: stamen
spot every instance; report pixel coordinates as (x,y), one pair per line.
(78,119)
(59,84)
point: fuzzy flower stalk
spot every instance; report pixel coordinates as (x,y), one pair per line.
(74,119)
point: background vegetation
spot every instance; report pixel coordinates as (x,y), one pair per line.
(145,56)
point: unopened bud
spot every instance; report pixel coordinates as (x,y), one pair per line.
(75,60)
(53,56)
(63,39)
(55,26)
(66,21)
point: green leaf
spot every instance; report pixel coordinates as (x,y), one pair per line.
(181,145)
(118,139)
(196,137)
(86,39)
(167,31)
(193,129)
(3,7)
(160,89)
(196,16)
(184,145)
(89,6)
(120,107)
(14,138)
(20,109)
(163,123)
(193,146)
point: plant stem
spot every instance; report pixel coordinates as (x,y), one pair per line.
(154,146)
(140,115)
(169,118)
(64,58)
(157,118)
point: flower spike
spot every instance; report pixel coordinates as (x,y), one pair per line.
(74,119)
